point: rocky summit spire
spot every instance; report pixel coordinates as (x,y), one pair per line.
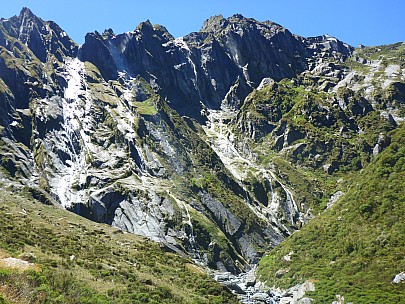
(145,25)
(213,23)
(26,12)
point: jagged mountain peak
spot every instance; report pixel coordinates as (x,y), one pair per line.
(213,22)
(238,16)
(43,38)
(108,33)
(148,30)
(27,20)
(220,20)
(26,12)
(145,26)
(219,25)
(18,26)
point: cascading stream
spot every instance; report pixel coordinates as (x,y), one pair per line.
(219,135)
(220,139)
(196,255)
(74,112)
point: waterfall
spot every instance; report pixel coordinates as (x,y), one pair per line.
(195,250)
(191,237)
(74,110)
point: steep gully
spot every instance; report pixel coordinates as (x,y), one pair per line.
(221,139)
(74,113)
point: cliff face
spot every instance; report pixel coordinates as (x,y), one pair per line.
(215,67)
(174,139)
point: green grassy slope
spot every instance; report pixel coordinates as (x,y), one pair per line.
(356,247)
(79,261)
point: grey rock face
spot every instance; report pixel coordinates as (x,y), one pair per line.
(328,44)
(95,50)
(143,218)
(43,38)
(221,214)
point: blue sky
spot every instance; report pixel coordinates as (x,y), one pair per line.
(369,22)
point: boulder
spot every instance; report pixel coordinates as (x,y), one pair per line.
(376,150)
(234,287)
(222,277)
(250,280)
(330,168)
(399,278)
(281,272)
(261,297)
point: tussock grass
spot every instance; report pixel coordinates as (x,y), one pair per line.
(79,261)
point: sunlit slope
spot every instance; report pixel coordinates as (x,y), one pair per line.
(356,247)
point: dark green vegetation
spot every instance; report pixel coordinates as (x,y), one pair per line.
(354,248)
(79,261)
(322,132)
(391,53)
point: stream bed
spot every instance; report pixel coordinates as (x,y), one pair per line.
(251,291)
(247,288)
